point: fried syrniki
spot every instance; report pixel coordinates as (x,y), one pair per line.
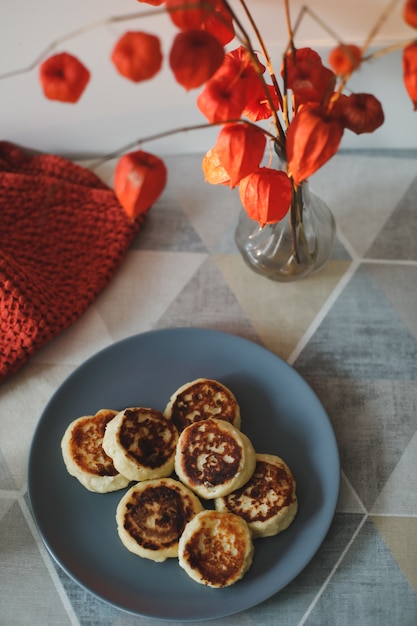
(202,398)
(142,443)
(214,458)
(152,516)
(84,456)
(268,501)
(216,549)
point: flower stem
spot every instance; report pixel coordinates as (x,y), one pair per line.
(245,39)
(174,131)
(294,220)
(76,33)
(264,50)
(114,19)
(378,24)
(388,49)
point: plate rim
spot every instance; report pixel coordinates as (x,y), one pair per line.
(119,344)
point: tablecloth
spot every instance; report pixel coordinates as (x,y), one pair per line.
(350,331)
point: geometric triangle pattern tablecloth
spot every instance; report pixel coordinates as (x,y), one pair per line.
(351,332)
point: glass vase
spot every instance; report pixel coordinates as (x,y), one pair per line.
(293,248)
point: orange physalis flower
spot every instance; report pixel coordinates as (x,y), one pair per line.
(410,13)
(189,18)
(240,149)
(220,101)
(214,172)
(238,68)
(63,77)
(360,112)
(410,72)
(220,23)
(266,195)
(195,56)
(260,109)
(313,137)
(345,58)
(139,180)
(137,55)
(307,77)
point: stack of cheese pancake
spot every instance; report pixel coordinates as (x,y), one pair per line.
(181,460)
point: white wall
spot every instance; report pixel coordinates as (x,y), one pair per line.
(113,111)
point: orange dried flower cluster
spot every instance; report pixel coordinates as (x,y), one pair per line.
(308,106)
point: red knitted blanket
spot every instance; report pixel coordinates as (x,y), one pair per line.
(62,236)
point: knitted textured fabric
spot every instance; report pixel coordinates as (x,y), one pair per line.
(63,234)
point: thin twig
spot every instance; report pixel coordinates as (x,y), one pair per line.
(294,216)
(175,131)
(306,10)
(115,19)
(245,39)
(264,49)
(388,50)
(378,24)
(289,23)
(76,33)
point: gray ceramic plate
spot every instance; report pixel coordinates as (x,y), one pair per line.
(280,413)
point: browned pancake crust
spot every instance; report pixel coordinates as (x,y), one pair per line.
(203,399)
(165,506)
(220,551)
(86,444)
(198,439)
(142,437)
(267,479)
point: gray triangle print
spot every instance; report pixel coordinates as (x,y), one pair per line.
(395,241)
(167,228)
(357,341)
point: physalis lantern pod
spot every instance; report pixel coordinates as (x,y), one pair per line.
(410,13)
(306,76)
(63,77)
(139,180)
(192,17)
(410,72)
(345,59)
(137,56)
(360,112)
(220,100)
(240,149)
(266,195)
(214,172)
(195,56)
(239,69)
(220,23)
(313,137)
(259,109)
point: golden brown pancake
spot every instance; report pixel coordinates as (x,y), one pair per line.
(268,502)
(84,456)
(152,515)
(213,458)
(141,442)
(216,549)
(200,399)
